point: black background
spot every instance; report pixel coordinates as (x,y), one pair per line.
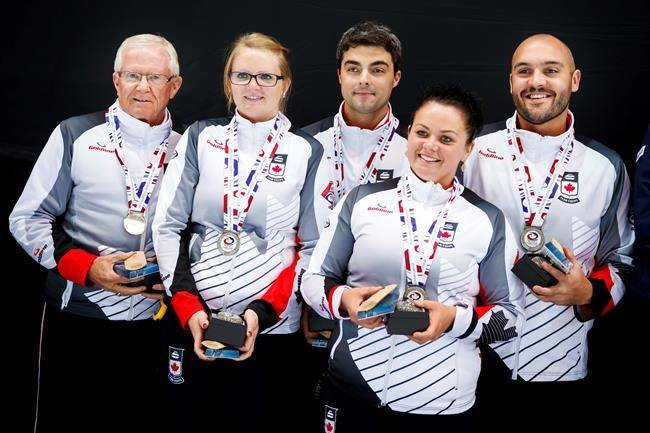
(58,57)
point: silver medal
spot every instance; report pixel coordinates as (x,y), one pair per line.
(532,239)
(415,293)
(135,223)
(228,243)
(411,294)
(229,317)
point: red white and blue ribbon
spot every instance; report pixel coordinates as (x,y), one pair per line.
(419,254)
(237,195)
(370,169)
(535,207)
(138,195)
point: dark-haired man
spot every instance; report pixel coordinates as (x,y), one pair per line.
(361,144)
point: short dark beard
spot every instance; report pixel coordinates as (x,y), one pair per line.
(559,105)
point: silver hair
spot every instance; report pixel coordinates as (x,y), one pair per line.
(143,40)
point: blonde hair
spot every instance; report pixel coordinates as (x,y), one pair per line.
(258,41)
(147,40)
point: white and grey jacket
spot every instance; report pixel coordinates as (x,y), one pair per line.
(190,219)
(589,216)
(73,206)
(358,144)
(362,246)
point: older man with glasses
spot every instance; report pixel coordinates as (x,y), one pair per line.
(87,206)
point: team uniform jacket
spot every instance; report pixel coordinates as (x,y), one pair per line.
(190,220)
(362,246)
(358,143)
(73,206)
(641,212)
(589,216)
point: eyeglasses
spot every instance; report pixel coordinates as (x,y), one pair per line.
(153,79)
(263,79)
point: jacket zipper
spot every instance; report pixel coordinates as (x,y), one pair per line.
(389,365)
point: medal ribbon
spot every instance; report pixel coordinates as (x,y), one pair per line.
(369,171)
(233,214)
(138,196)
(535,207)
(418,264)
(236,202)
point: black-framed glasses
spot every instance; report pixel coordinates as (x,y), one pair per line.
(153,79)
(263,79)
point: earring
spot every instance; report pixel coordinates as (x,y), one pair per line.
(284,95)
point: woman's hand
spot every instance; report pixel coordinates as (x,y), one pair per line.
(441,318)
(350,301)
(198,323)
(253,328)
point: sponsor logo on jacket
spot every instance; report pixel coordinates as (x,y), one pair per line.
(447,234)
(569,187)
(277,167)
(490,153)
(100,147)
(216,144)
(379,207)
(38,253)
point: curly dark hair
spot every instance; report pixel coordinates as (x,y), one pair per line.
(455,96)
(370,33)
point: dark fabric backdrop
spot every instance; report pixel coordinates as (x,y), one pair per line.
(58,59)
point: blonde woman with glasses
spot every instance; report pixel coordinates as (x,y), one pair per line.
(232,214)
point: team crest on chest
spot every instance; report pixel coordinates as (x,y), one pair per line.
(277,167)
(569,187)
(447,234)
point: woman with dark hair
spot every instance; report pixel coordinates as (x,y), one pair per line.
(448,252)
(228,223)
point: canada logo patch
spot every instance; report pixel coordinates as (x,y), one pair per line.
(447,234)
(569,187)
(277,167)
(330,419)
(175,373)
